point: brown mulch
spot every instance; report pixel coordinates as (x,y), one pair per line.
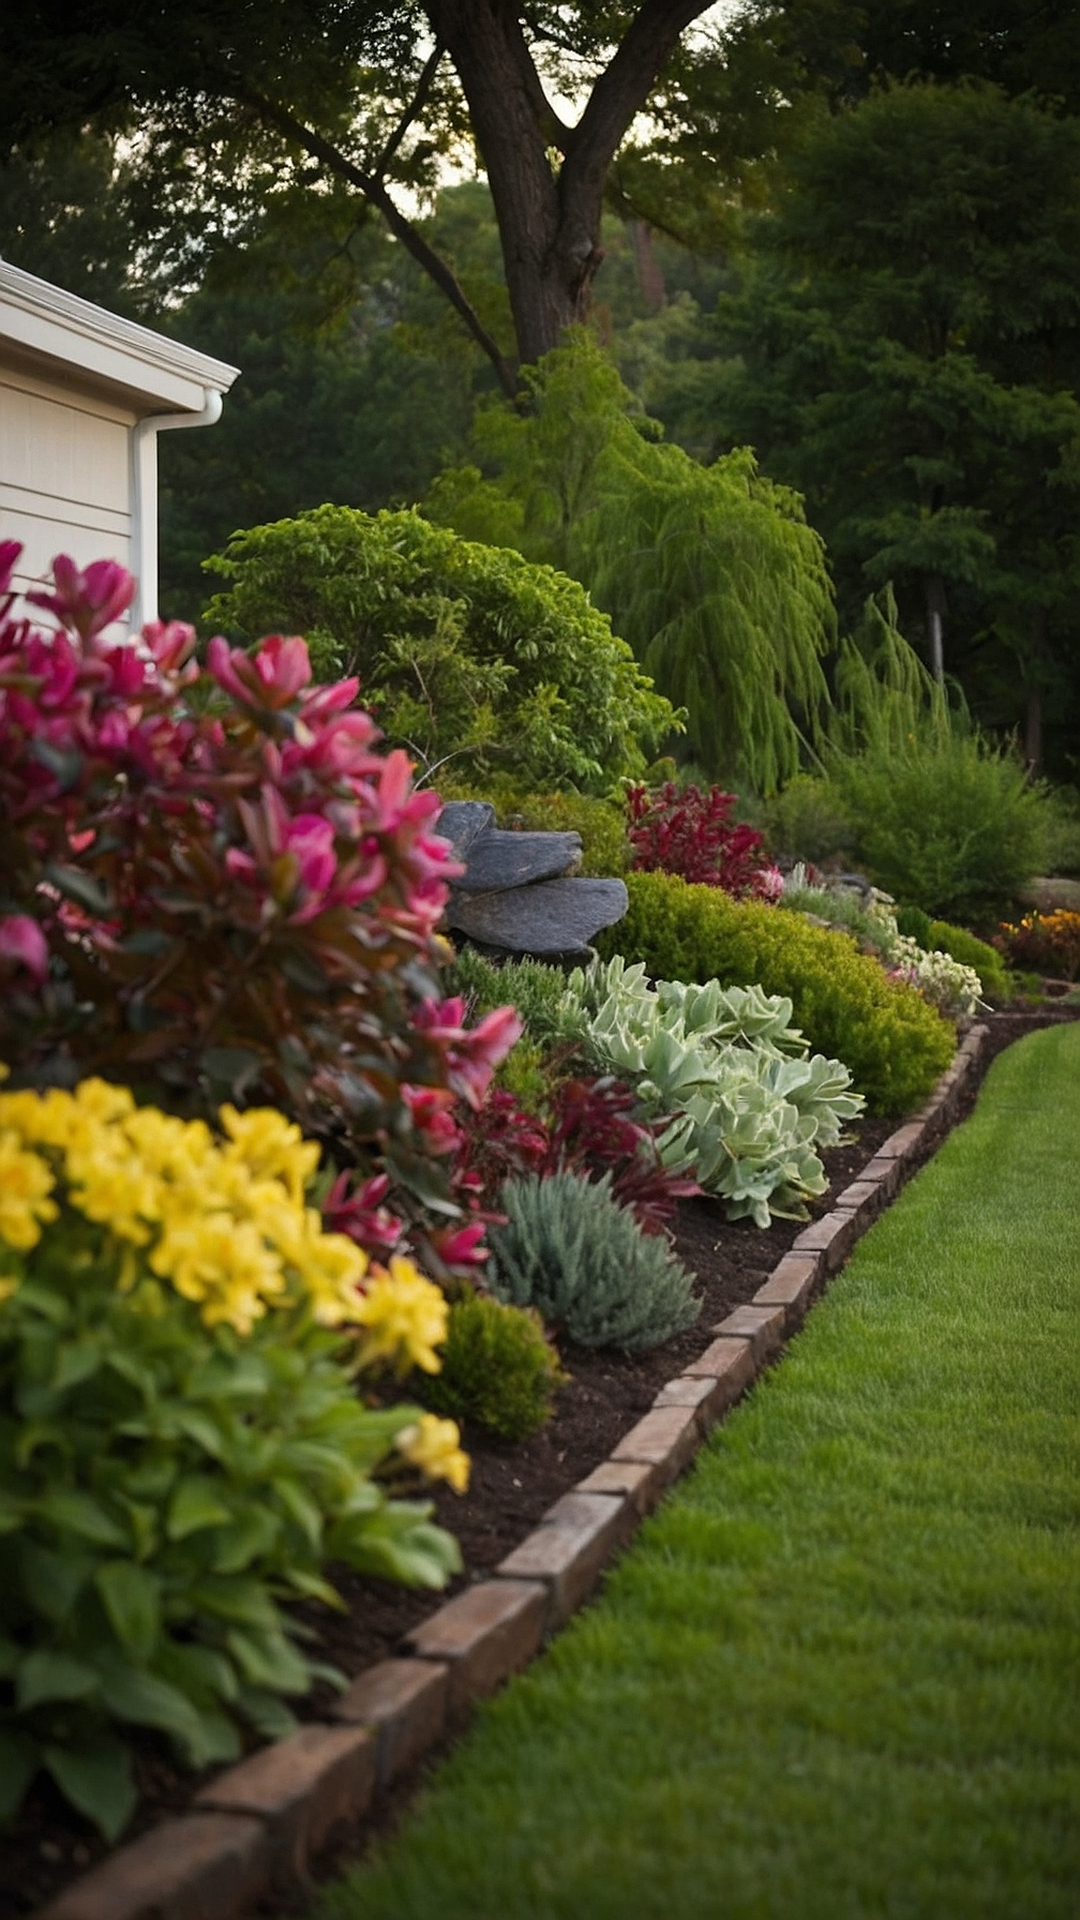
(511,1487)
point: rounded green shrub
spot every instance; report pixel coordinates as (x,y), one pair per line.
(498,1368)
(894,1044)
(463,650)
(569,1250)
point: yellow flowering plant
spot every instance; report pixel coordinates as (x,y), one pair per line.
(182,1444)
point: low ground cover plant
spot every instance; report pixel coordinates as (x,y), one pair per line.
(183,1447)
(569,1250)
(893,1044)
(216,884)
(910,953)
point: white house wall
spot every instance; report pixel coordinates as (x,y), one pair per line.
(64,473)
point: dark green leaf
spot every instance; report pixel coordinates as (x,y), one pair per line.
(81,887)
(76,1360)
(132,1599)
(18,1765)
(97,1780)
(76,1512)
(52,1676)
(196,1503)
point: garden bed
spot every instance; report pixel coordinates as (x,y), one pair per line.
(512,1487)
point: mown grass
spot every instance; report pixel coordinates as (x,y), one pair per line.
(838,1675)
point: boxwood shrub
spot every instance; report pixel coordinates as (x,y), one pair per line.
(894,1044)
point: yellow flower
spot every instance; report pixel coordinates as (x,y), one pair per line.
(405,1317)
(271,1146)
(26,1181)
(434,1446)
(330,1265)
(222,1264)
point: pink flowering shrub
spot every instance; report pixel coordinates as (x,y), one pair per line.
(215,884)
(692,834)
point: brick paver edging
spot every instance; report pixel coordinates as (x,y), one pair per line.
(255,1828)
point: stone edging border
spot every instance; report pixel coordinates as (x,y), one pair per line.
(255,1828)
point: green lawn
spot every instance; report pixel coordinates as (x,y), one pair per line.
(838,1674)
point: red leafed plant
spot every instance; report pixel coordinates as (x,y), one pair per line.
(590,1129)
(692,834)
(593,1131)
(213,883)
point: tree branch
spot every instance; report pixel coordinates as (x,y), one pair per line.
(457,25)
(624,86)
(419,99)
(374,190)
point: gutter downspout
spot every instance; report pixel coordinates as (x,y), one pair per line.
(144,513)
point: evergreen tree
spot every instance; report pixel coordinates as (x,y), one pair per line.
(909,332)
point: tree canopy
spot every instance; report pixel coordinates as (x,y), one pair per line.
(909,339)
(232,102)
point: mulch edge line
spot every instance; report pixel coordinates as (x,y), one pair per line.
(256,1829)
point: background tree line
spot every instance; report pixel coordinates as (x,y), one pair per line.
(847,239)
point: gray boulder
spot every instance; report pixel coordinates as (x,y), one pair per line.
(496,859)
(462,821)
(549,917)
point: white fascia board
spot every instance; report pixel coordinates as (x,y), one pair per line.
(161,374)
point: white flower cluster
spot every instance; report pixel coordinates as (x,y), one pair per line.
(946,983)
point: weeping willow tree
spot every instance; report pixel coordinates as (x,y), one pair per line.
(885,699)
(711,573)
(721,588)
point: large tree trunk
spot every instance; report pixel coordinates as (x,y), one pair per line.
(549,213)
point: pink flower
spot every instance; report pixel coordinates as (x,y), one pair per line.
(472,1053)
(9,553)
(22,940)
(461,1246)
(431,1111)
(769,883)
(89,602)
(267,680)
(362,1214)
(170,644)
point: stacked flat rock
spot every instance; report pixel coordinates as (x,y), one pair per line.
(519,892)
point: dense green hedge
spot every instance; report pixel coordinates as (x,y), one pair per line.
(894,1044)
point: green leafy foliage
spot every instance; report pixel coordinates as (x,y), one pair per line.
(915,924)
(805,821)
(164,1489)
(893,1044)
(569,1251)
(463,650)
(943,819)
(498,1368)
(535,989)
(904,349)
(711,573)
